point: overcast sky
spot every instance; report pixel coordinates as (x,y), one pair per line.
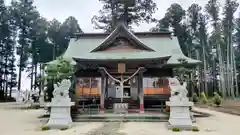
(83,10)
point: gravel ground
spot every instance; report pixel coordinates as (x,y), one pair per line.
(107,129)
(26,122)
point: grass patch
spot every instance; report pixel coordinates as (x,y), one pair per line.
(176,130)
(195,129)
(63,129)
(45,128)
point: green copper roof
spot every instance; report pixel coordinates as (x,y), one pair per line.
(123,56)
(164,46)
(83,47)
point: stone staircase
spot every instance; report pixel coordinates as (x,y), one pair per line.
(112,117)
(120,108)
(151,115)
(132,105)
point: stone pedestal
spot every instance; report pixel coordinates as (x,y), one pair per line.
(41,99)
(102,109)
(60,116)
(141,108)
(180,115)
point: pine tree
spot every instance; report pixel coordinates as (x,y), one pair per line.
(228,23)
(212,9)
(25,14)
(12,82)
(133,12)
(3,27)
(7,40)
(174,19)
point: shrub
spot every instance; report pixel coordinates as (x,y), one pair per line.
(63,129)
(203,97)
(217,100)
(176,129)
(35,106)
(195,129)
(10,99)
(45,128)
(195,98)
(126,120)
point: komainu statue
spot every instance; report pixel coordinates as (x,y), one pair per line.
(63,89)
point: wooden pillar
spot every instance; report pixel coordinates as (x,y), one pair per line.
(102,96)
(106,86)
(141,92)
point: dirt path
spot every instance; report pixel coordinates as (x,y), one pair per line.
(26,122)
(108,128)
(218,124)
(228,106)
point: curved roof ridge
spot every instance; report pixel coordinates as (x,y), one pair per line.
(127,33)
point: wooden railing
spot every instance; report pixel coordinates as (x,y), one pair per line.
(87,91)
(152,91)
(96,91)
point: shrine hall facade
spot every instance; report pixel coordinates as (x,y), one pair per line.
(124,67)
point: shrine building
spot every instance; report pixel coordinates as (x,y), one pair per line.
(124,67)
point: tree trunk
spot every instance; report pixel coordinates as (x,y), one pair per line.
(32,70)
(35,76)
(205,68)
(228,68)
(42,75)
(199,73)
(235,74)
(1,67)
(221,67)
(42,82)
(11,82)
(214,76)
(231,63)
(6,77)
(20,74)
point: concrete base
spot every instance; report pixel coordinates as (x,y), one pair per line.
(180,115)
(141,108)
(141,111)
(60,116)
(56,124)
(102,111)
(181,127)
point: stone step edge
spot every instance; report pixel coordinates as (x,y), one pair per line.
(118,120)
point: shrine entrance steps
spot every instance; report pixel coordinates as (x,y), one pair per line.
(149,115)
(127,117)
(132,104)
